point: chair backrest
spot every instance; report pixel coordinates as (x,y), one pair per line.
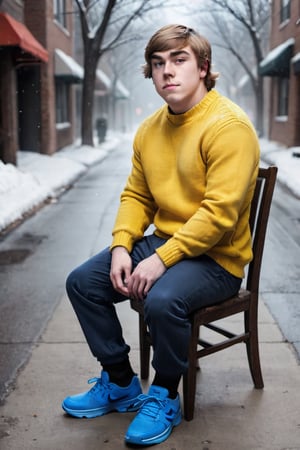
(259,215)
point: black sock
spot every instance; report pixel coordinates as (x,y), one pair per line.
(120,373)
(167,382)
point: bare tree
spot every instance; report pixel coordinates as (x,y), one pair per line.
(104,26)
(242,27)
(120,62)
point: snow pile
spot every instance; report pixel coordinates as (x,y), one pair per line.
(19,193)
(38,177)
(288,164)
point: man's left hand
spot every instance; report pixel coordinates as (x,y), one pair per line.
(144,276)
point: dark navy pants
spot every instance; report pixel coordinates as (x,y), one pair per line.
(184,287)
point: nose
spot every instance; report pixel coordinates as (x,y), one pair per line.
(168,69)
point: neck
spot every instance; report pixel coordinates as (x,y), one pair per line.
(189,104)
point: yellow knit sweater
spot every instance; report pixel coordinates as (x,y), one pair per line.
(193,177)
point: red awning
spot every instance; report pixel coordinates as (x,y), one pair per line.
(15,34)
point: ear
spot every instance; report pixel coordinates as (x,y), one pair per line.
(203,69)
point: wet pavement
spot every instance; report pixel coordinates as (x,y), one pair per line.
(230,413)
(36,257)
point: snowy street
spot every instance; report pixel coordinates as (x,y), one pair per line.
(37,255)
(41,343)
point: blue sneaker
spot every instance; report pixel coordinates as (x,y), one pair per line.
(156,418)
(103,398)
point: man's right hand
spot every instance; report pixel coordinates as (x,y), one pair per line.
(121,267)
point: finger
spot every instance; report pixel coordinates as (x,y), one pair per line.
(118,284)
(132,286)
(140,291)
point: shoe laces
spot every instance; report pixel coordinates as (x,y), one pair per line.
(99,385)
(150,405)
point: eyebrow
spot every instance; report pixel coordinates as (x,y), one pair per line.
(172,54)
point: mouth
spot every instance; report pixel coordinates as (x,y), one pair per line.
(170,86)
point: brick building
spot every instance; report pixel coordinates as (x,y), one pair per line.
(38,76)
(282,65)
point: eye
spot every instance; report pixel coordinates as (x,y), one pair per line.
(157,64)
(179,60)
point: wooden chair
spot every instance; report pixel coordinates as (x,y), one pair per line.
(246,302)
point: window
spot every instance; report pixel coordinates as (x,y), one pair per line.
(62,102)
(285,10)
(59,9)
(283,96)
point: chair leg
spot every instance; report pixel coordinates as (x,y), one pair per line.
(189,392)
(144,349)
(190,377)
(253,350)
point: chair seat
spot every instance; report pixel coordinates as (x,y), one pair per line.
(233,305)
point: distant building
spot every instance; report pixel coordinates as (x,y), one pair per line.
(282,65)
(39,77)
(21,59)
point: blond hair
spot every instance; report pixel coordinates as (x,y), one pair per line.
(179,36)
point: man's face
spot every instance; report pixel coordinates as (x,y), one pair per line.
(178,79)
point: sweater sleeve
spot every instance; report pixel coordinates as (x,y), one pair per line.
(137,207)
(231,156)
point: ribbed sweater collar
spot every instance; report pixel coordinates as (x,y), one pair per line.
(196,111)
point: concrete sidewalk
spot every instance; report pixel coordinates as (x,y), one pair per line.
(230,413)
